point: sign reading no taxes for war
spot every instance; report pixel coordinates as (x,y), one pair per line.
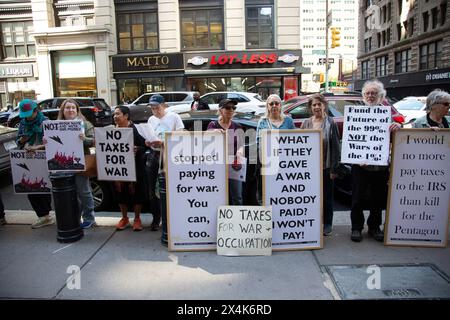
(29,172)
(365,138)
(292,186)
(64,148)
(196,184)
(244,231)
(418,206)
(114,150)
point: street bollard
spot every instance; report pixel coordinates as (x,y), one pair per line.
(162,197)
(66,207)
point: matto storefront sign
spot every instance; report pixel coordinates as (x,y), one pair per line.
(16,70)
(147,63)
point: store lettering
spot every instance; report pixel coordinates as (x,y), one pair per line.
(246,59)
(148,61)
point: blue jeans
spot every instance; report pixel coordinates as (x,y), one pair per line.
(85,198)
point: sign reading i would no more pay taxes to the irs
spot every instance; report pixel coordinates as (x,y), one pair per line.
(292,186)
(114,150)
(419,193)
(244,231)
(365,138)
(196,184)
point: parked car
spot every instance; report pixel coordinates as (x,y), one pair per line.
(297,108)
(246,101)
(412,108)
(7,142)
(96,110)
(140,112)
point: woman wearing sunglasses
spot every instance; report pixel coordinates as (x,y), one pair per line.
(437,107)
(227,109)
(274,118)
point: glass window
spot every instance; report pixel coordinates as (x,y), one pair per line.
(259,27)
(403,61)
(300,112)
(430,55)
(17,40)
(202,29)
(138,31)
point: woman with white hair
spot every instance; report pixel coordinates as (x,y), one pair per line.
(437,107)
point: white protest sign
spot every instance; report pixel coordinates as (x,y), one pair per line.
(292,186)
(244,231)
(238,171)
(365,138)
(197,184)
(419,207)
(64,148)
(114,150)
(29,172)
(146,131)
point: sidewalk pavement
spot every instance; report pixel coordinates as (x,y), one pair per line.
(134,265)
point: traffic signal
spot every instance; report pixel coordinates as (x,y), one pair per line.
(335,37)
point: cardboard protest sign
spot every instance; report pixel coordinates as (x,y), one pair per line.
(64,148)
(244,231)
(29,172)
(196,184)
(419,193)
(365,138)
(292,186)
(114,150)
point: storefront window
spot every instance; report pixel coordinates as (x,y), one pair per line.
(138,31)
(74,73)
(130,89)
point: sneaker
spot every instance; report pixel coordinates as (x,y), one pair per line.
(88,224)
(2,221)
(154,226)
(356,236)
(137,225)
(43,221)
(123,223)
(327,229)
(377,234)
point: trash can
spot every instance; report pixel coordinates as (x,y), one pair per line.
(162,197)
(66,207)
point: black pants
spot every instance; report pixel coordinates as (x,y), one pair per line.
(376,183)
(328,188)
(151,171)
(2,208)
(41,203)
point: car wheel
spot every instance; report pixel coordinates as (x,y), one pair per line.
(101,194)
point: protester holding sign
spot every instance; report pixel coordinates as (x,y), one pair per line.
(29,138)
(227,109)
(133,192)
(374,177)
(437,107)
(272,119)
(161,122)
(70,110)
(320,120)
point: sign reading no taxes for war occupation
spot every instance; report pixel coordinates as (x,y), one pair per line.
(114,150)
(244,231)
(64,148)
(196,184)
(29,172)
(418,206)
(292,186)
(365,138)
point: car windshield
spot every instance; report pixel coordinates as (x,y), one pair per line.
(409,105)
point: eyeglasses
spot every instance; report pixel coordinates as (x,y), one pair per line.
(274,103)
(371,93)
(444,103)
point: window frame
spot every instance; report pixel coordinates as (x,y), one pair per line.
(26,44)
(428,59)
(195,11)
(260,6)
(403,65)
(381,63)
(130,24)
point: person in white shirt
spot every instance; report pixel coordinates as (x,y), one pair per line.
(162,121)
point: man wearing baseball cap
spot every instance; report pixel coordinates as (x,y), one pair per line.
(30,139)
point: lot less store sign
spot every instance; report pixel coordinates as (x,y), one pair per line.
(16,70)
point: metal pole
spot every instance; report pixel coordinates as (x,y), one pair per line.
(326,45)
